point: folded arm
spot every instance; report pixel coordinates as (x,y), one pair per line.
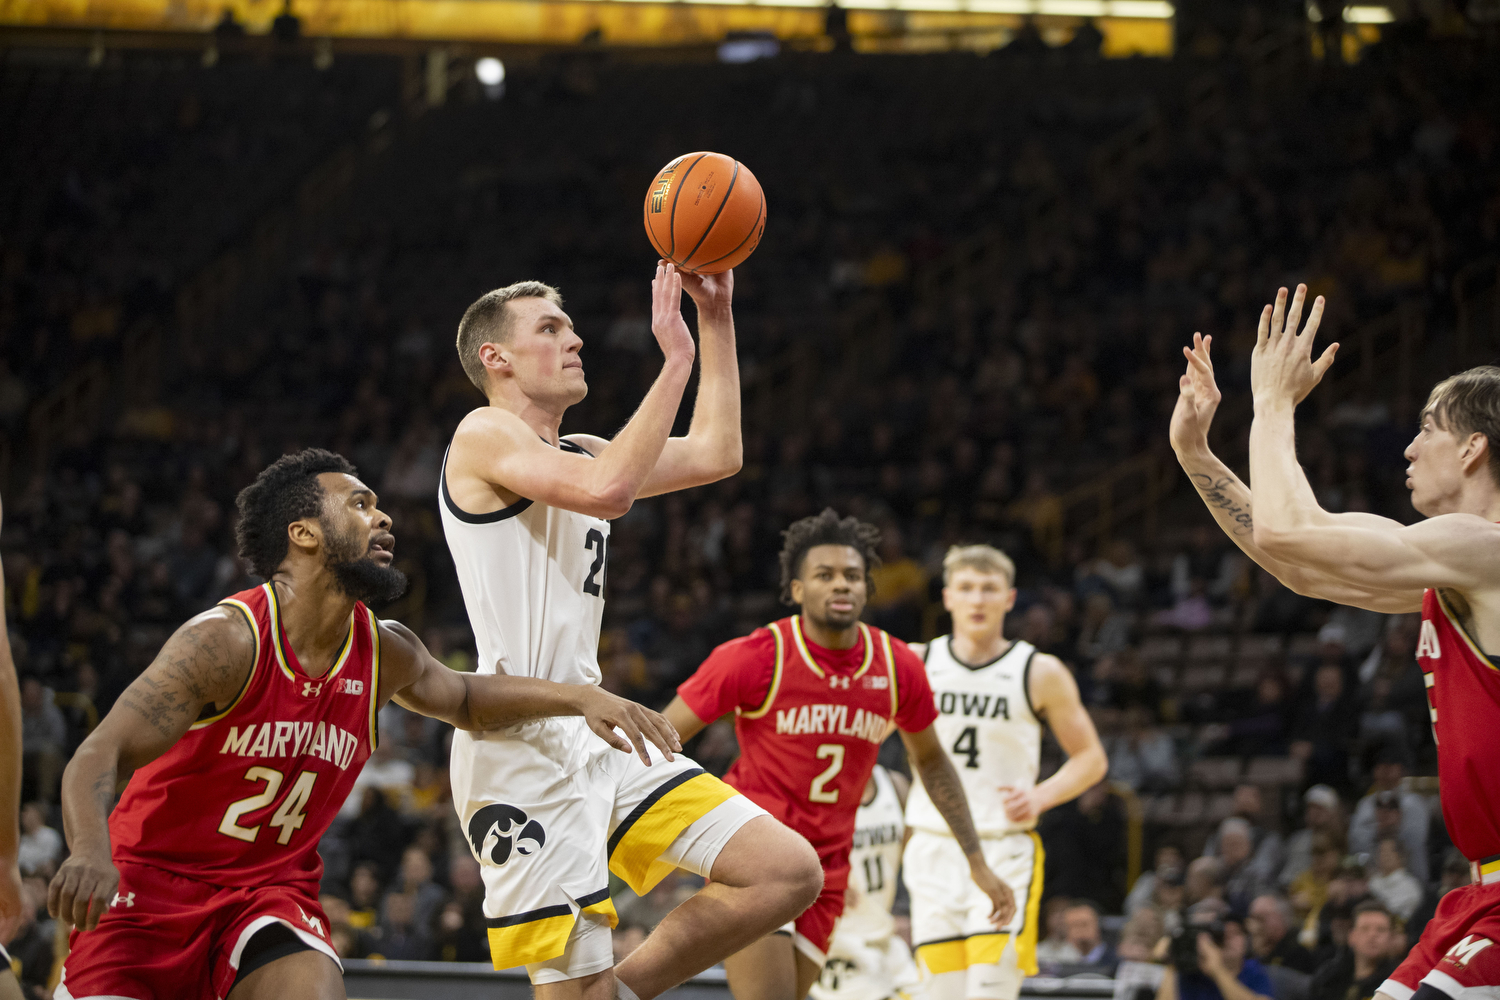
(415,680)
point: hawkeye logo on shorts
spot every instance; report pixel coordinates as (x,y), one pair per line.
(1466,950)
(494,833)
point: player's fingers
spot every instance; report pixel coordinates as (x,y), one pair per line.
(57,893)
(656,732)
(1314,319)
(1263,328)
(78,914)
(607,733)
(1278,314)
(1294,313)
(97,906)
(1325,361)
(1208,343)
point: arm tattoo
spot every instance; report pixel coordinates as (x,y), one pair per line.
(947,793)
(1213,492)
(198,665)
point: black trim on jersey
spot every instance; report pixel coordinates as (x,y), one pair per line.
(645,804)
(464,516)
(598,896)
(573,446)
(1026,686)
(978,666)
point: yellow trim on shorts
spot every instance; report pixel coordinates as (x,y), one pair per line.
(606,907)
(636,858)
(765,706)
(534,941)
(957,954)
(1026,940)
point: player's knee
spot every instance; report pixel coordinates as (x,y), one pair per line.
(801,872)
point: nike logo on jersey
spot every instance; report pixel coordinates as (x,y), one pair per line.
(293,739)
(831,719)
(976,706)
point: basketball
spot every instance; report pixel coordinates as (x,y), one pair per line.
(705,212)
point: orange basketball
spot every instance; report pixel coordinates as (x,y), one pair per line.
(705,212)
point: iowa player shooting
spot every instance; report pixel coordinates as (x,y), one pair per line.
(242,740)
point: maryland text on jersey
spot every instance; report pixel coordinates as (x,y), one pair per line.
(831,720)
(292,739)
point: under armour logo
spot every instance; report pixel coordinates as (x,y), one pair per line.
(839,682)
(492,831)
(311,690)
(128,899)
(312,922)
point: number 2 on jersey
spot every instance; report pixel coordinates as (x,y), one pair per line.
(595,542)
(818,792)
(967,745)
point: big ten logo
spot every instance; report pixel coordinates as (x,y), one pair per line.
(352,686)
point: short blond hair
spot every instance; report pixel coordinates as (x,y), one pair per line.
(487,321)
(984,558)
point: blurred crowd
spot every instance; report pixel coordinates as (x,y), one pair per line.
(970,298)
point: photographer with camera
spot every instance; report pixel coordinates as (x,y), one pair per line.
(1207,959)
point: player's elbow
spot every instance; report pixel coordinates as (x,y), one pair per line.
(1273,541)
(611,501)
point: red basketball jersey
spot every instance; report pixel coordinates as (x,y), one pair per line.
(1463,694)
(244,797)
(810,721)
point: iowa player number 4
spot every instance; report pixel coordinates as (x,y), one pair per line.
(289,817)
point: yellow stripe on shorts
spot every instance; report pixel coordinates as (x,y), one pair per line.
(638,842)
(958,953)
(537,935)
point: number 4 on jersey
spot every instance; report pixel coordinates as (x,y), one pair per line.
(967,745)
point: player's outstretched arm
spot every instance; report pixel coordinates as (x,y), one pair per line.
(479,702)
(1453,550)
(712,449)
(1053,691)
(206,661)
(683,719)
(930,763)
(500,449)
(1229,500)
(10,781)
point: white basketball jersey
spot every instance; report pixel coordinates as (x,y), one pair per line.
(874,861)
(986,723)
(533,584)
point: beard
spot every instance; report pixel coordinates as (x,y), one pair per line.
(357,573)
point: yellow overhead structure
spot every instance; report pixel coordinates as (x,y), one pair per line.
(1129,27)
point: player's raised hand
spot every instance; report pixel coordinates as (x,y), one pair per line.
(1021,805)
(1282,367)
(1003,900)
(710,292)
(606,713)
(82,889)
(1197,400)
(671,329)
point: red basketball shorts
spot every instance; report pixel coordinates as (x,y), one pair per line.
(813,930)
(1457,952)
(165,937)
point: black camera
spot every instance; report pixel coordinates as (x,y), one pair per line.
(1183,953)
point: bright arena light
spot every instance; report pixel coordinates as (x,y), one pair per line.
(1368,15)
(491,71)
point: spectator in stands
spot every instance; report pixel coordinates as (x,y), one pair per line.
(1393,885)
(1054,948)
(1358,969)
(1271,923)
(1085,843)
(1142,756)
(1349,887)
(1242,877)
(364,896)
(1387,809)
(1259,728)
(415,880)
(1205,881)
(1321,813)
(44,741)
(1266,853)
(1309,891)
(401,938)
(41,846)
(377,833)
(1168,860)
(1225,972)
(1324,728)
(1121,680)
(1081,919)
(1455,873)
(1138,937)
